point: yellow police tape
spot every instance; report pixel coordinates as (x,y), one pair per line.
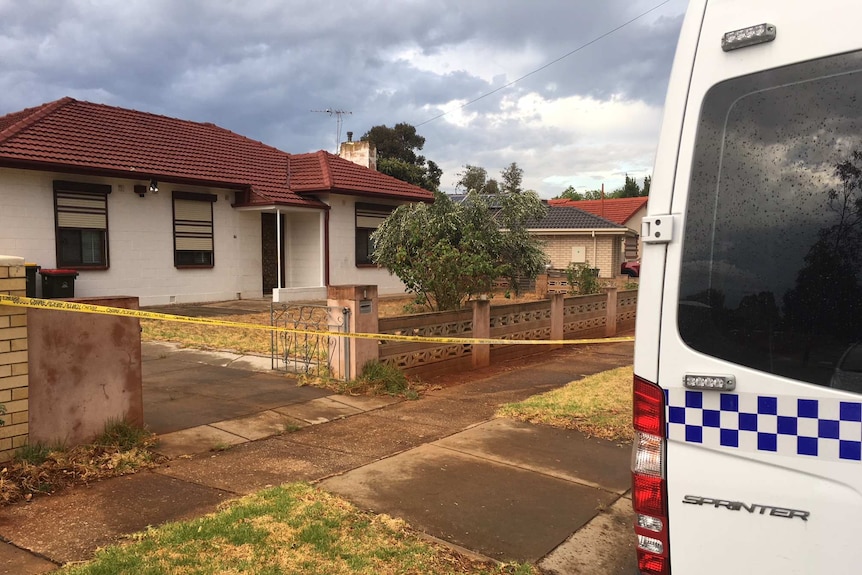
(26,302)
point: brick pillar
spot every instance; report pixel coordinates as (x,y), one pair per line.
(481,329)
(611,325)
(14,387)
(363,305)
(558,307)
(541,285)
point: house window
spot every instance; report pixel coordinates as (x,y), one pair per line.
(81,218)
(368,218)
(193,230)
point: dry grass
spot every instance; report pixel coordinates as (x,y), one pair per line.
(290,529)
(240,340)
(41,470)
(599,405)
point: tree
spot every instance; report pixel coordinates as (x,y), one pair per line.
(826,300)
(397,157)
(593,195)
(647,183)
(449,251)
(570,194)
(427,177)
(400,142)
(630,189)
(475,179)
(511,178)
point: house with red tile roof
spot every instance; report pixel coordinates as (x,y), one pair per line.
(177,211)
(627,212)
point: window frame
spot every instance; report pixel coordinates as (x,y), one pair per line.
(366,213)
(73,192)
(181,232)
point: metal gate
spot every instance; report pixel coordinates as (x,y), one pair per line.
(297,348)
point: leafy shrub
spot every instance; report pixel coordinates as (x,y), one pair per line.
(583,279)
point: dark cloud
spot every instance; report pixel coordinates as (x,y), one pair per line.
(260,67)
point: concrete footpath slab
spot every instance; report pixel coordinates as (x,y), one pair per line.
(71,526)
(605,545)
(14,561)
(508,490)
(588,461)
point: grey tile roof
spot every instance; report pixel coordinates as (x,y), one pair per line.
(560,218)
(566,218)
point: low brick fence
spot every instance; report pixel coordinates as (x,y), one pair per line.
(556,318)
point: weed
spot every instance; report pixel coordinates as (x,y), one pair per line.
(122,436)
(35,454)
(381,378)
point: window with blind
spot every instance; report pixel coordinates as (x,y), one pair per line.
(81,219)
(368,218)
(193,230)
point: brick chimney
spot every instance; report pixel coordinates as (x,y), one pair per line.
(362,153)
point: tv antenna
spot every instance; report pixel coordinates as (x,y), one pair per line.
(339,117)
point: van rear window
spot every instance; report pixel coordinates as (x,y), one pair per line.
(772,249)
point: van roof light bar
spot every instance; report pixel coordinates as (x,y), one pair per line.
(750,36)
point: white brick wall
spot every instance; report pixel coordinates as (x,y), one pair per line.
(342,249)
(140,239)
(140,242)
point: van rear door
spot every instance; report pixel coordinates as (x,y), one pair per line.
(761,295)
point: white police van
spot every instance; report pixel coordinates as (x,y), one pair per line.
(748,391)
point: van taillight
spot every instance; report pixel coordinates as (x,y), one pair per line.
(649,490)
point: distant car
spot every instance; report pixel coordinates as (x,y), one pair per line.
(631,269)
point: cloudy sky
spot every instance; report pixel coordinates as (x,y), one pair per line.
(259,68)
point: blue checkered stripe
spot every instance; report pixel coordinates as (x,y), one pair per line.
(823,428)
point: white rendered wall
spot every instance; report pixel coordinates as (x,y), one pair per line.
(140,240)
(342,248)
(303,252)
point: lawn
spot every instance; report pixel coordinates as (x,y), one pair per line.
(200,336)
(599,405)
(292,529)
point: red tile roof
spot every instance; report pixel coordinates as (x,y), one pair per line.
(68,135)
(617,210)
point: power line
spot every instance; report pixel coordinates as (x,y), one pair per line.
(549,64)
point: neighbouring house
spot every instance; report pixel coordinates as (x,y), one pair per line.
(175,211)
(572,235)
(627,212)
